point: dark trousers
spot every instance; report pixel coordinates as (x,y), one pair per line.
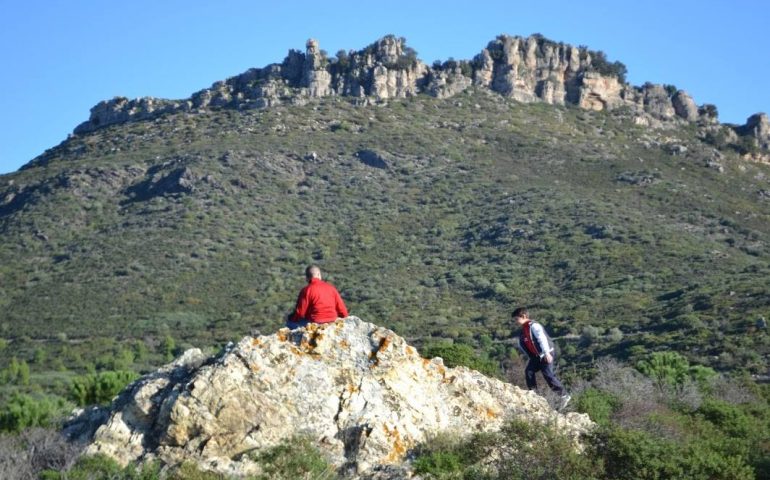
(536,365)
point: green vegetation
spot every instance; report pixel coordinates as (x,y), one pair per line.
(599,63)
(477,212)
(673,369)
(100,466)
(100,388)
(296,458)
(112,264)
(455,354)
(646,431)
(520,450)
(24,411)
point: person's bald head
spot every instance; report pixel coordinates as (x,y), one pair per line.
(313,271)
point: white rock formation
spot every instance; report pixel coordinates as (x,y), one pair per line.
(359,391)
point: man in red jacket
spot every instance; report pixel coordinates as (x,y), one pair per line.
(318,302)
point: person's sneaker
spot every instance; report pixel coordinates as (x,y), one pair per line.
(564,401)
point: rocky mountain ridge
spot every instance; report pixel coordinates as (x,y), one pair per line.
(362,394)
(532,69)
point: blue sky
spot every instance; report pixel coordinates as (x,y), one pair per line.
(60,57)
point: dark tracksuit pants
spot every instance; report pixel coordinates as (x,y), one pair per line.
(536,365)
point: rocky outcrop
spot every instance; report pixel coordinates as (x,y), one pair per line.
(685,106)
(657,102)
(121,110)
(757,127)
(359,391)
(532,69)
(598,92)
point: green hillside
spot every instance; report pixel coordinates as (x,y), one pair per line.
(433,217)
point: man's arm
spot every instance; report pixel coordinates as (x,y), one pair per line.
(300,311)
(342,311)
(539,333)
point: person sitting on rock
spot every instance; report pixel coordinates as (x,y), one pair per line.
(318,302)
(541,352)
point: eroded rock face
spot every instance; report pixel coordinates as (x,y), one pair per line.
(598,92)
(532,69)
(685,106)
(758,127)
(358,390)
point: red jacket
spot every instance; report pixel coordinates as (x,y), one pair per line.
(319,302)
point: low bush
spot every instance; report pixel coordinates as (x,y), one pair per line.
(32,451)
(293,459)
(100,388)
(458,354)
(637,455)
(520,450)
(24,411)
(597,404)
(93,467)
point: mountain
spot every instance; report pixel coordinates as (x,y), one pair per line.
(436,198)
(360,393)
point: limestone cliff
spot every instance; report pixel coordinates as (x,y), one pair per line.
(525,69)
(358,390)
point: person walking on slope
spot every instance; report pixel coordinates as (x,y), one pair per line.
(541,352)
(318,302)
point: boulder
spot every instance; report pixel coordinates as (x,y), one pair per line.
(373,158)
(358,391)
(657,102)
(758,127)
(684,106)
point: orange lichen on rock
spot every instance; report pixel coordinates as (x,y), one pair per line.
(399,449)
(491,413)
(282,334)
(256,342)
(437,367)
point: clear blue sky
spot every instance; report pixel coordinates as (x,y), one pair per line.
(59,58)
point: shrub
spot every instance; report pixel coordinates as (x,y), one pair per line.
(665,368)
(728,418)
(589,335)
(636,394)
(517,451)
(103,467)
(27,454)
(708,110)
(458,354)
(295,458)
(17,372)
(190,471)
(24,411)
(597,404)
(637,455)
(100,388)
(438,464)
(599,63)
(673,370)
